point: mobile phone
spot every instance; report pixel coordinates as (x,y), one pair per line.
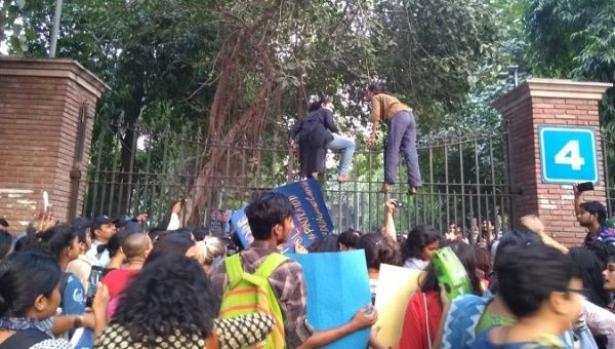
(586,186)
(45,201)
(95,275)
(397,203)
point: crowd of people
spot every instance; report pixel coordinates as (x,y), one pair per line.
(106,283)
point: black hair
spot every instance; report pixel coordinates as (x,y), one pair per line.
(156,232)
(57,238)
(4,223)
(6,241)
(265,211)
(82,235)
(174,243)
(170,294)
(467,257)
(595,208)
(23,277)
(377,87)
(601,249)
(25,243)
(326,244)
(418,238)
(517,237)
(200,233)
(591,272)
(349,238)
(378,250)
(322,99)
(527,275)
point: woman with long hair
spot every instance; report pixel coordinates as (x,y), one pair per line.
(170,304)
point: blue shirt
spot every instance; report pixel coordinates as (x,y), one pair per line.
(73,303)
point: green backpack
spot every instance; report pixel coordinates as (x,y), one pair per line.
(248,293)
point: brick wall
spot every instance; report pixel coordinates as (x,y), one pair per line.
(40,104)
(545,102)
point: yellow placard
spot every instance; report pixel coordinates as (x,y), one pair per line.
(395,287)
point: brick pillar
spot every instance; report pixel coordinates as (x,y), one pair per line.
(47,109)
(556,103)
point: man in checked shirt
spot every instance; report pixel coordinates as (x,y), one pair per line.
(270,219)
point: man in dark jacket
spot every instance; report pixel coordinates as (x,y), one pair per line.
(316,133)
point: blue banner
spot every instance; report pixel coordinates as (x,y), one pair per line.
(239,221)
(337,286)
(312,220)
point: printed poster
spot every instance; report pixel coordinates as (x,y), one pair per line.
(311,220)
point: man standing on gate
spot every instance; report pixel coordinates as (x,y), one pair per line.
(401,136)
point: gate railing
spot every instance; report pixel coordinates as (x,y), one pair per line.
(465,179)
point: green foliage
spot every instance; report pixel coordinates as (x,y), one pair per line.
(574,39)
(12,28)
(428,50)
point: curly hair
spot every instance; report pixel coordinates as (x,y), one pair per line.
(171,293)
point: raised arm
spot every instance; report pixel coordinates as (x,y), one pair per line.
(389,223)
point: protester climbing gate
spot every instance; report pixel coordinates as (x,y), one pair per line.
(465,178)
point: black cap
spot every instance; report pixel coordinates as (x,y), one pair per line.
(102,220)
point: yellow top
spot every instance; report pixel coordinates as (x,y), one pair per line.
(385,106)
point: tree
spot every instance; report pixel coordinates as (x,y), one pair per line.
(242,69)
(574,39)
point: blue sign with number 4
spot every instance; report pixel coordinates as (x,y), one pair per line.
(568,155)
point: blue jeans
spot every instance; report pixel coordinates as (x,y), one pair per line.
(345,145)
(402,138)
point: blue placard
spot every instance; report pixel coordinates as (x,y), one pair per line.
(568,155)
(312,220)
(239,221)
(337,286)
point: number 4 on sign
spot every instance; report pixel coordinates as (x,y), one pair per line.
(570,155)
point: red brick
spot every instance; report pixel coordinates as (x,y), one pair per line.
(47,107)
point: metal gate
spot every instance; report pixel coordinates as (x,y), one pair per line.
(465,178)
